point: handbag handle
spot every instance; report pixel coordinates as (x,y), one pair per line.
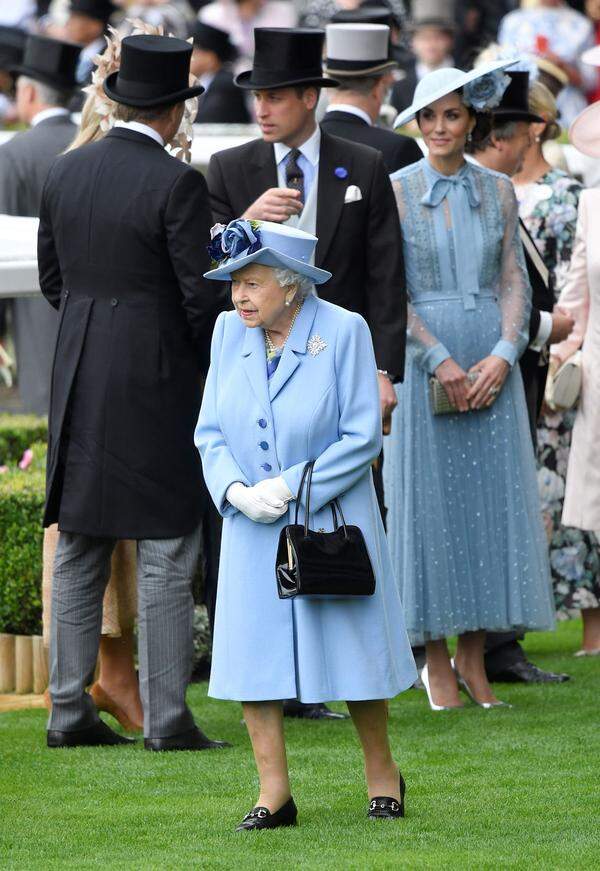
(334,504)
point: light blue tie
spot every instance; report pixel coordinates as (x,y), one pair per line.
(441,187)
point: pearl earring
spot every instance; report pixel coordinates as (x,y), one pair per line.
(288,302)
(469,137)
(538,138)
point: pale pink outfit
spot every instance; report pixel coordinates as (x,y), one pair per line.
(581,297)
(225,15)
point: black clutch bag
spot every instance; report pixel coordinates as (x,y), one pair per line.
(322,563)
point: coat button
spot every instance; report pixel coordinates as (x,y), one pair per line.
(262,423)
(114,301)
(267,467)
(264,445)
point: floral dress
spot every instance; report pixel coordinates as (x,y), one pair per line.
(548,207)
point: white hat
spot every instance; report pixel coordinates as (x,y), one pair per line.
(445,81)
(592,56)
(584,132)
(358,49)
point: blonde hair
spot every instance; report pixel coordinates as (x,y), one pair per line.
(89,125)
(541,102)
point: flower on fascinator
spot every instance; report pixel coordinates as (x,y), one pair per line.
(485,93)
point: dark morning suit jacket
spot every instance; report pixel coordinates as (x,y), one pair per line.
(24,163)
(121,253)
(534,372)
(403,90)
(359,242)
(222,102)
(397,150)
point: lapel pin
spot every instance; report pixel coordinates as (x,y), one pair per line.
(315,345)
(341,172)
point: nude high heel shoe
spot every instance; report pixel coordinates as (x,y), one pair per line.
(104,702)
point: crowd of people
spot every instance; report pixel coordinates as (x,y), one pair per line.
(336,318)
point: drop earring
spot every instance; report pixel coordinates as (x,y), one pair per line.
(469,137)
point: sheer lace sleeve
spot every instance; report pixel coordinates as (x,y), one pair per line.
(514,290)
(430,351)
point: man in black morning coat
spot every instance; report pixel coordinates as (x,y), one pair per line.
(357,56)
(338,190)
(122,252)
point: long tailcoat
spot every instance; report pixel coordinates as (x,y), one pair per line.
(534,365)
(24,164)
(122,251)
(359,241)
(223,102)
(322,407)
(397,150)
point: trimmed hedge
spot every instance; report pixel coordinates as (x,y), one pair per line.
(22,496)
(17,433)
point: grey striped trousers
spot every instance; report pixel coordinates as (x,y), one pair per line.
(165,568)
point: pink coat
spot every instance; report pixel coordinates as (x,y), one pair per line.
(581,296)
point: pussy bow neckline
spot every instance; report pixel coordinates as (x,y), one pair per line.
(440,185)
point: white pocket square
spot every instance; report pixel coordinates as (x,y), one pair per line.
(353,194)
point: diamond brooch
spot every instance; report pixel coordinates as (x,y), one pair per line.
(315,345)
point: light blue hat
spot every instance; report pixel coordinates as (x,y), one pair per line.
(243,242)
(439,83)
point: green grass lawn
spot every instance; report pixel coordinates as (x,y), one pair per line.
(485,789)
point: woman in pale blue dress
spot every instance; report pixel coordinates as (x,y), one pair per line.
(464,518)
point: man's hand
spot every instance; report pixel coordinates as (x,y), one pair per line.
(454,381)
(276,204)
(387,397)
(562,326)
(492,375)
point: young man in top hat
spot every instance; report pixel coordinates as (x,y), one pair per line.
(338,190)
(503,150)
(87,23)
(45,84)
(213,54)
(357,56)
(432,43)
(121,254)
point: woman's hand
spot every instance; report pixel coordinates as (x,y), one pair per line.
(492,375)
(250,503)
(454,381)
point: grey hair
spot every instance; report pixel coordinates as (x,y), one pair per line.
(287,277)
(47,94)
(503,130)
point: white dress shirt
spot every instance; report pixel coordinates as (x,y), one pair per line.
(137,127)
(54,112)
(351,110)
(308,160)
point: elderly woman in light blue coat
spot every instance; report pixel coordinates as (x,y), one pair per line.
(293,378)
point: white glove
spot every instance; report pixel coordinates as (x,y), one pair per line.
(249,503)
(273,491)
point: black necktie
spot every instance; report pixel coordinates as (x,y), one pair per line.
(294,176)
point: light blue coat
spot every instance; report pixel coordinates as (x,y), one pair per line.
(322,406)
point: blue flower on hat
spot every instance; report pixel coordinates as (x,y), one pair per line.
(341,172)
(240,237)
(486,92)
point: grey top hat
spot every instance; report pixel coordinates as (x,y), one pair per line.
(358,50)
(433,13)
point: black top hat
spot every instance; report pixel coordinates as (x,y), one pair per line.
(155,71)
(514,105)
(50,61)
(214,39)
(284,57)
(12,45)
(100,10)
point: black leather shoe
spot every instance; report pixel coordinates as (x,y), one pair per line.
(262,818)
(382,807)
(194,739)
(294,708)
(98,735)
(526,672)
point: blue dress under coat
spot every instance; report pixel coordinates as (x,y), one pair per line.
(464,518)
(322,407)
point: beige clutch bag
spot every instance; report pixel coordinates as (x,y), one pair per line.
(564,387)
(440,404)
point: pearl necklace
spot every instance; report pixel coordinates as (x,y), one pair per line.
(272,348)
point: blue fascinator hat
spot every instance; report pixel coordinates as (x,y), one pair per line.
(242,242)
(482,87)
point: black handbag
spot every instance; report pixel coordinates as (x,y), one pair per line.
(322,563)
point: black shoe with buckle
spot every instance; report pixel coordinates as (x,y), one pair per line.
(382,807)
(262,818)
